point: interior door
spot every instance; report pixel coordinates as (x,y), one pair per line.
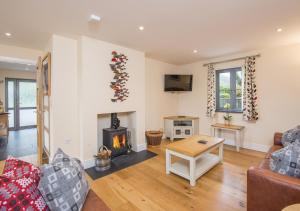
(43,110)
(39,100)
(21,103)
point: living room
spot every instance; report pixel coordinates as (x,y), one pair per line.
(104,69)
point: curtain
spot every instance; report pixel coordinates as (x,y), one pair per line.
(250,92)
(211,91)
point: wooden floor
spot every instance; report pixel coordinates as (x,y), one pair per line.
(146,186)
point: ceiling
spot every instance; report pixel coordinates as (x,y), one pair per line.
(173,28)
(4,65)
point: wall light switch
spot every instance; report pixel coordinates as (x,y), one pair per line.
(68,141)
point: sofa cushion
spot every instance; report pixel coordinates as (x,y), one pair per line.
(271,150)
(15,168)
(291,136)
(286,161)
(63,184)
(62,159)
(20,194)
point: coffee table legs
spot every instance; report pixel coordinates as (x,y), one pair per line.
(221,152)
(192,171)
(168,161)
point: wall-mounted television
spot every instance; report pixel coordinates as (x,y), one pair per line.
(178,83)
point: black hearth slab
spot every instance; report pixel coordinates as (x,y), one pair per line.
(121,162)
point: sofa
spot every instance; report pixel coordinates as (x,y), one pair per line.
(270,191)
(18,174)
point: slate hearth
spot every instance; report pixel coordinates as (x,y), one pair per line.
(121,162)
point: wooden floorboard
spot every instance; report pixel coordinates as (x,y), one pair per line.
(146,186)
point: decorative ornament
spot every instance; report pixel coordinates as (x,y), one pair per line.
(115,122)
(120,78)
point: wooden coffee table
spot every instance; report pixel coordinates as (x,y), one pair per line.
(196,158)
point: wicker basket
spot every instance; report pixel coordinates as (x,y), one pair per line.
(154,137)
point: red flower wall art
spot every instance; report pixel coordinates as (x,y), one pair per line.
(118,84)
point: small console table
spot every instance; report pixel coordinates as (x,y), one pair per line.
(236,128)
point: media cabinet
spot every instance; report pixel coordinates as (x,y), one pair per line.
(180,126)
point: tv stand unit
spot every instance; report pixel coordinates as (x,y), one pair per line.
(180,126)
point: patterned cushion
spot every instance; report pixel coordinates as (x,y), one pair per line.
(20,194)
(62,159)
(291,136)
(63,184)
(15,168)
(286,161)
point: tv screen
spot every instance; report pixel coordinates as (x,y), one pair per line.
(178,83)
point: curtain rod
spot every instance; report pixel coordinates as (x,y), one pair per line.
(231,60)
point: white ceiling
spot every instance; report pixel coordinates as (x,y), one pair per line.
(173,28)
(4,65)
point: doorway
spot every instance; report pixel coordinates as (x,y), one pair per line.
(21,103)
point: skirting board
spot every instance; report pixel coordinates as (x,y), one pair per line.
(141,147)
(88,163)
(252,146)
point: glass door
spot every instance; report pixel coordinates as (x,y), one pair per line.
(21,103)
(27,103)
(11,102)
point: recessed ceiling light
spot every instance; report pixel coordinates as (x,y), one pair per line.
(141,28)
(94,18)
(7,34)
(279,30)
(195,51)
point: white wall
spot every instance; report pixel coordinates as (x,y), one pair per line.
(158,102)
(64,109)
(81,78)
(278,73)
(80,92)
(96,94)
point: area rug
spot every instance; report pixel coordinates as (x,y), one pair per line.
(121,162)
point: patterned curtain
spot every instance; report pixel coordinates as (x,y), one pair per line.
(250,92)
(211,91)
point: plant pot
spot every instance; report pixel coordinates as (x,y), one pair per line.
(227,122)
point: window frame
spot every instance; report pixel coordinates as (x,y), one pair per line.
(232,72)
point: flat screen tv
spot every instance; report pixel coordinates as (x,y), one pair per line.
(178,83)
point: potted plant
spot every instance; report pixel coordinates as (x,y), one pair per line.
(227,117)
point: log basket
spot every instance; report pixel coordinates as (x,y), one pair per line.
(102,159)
(154,137)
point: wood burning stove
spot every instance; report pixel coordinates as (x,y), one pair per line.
(115,138)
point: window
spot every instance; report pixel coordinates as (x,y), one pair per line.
(229,90)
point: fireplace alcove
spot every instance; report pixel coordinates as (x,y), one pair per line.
(128,125)
(117,139)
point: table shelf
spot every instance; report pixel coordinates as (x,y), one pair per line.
(203,164)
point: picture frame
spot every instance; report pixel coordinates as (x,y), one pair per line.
(46,73)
